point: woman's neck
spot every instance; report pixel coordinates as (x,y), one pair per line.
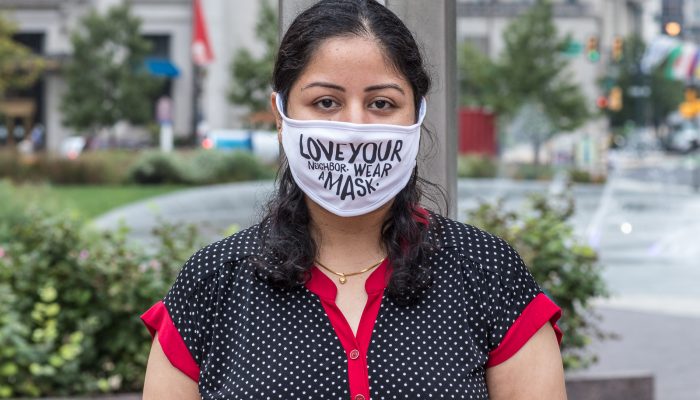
(346,244)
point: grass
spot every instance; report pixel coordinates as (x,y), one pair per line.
(92,201)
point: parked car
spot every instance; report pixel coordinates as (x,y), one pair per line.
(684,137)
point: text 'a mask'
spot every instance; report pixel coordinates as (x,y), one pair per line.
(350,169)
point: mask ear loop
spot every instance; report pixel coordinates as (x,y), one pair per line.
(281,105)
(422,110)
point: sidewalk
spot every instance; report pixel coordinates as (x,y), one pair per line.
(667,346)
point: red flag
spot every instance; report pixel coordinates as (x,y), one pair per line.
(201,48)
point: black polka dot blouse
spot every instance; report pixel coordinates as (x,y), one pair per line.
(239,338)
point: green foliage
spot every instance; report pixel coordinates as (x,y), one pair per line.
(106,78)
(70,301)
(476,166)
(479,166)
(19,68)
(156,167)
(97,167)
(251,75)
(526,171)
(582,176)
(665,94)
(479,79)
(208,167)
(201,168)
(121,167)
(531,69)
(567,270)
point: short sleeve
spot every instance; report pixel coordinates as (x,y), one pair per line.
(516,306)
(184,318)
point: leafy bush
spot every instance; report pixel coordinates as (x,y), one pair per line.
(530,171)
(157,168)
(70,299)
(567,270)
(97,167)
(200,168)
(581,176)
(208,167)
(149,167)
(476,166)
(93,167)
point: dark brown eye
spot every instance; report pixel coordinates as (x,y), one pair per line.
(326,103)
(381,105)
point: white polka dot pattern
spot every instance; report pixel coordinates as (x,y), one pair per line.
(253,341)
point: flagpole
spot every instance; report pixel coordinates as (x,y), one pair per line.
(196,86)
(202,55)
(195,78)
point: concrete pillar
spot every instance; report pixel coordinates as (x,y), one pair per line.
(434,25)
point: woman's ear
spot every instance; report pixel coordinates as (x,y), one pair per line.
(276,113)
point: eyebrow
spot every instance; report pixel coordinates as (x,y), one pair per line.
(384,86)
(342,89)
(325,85)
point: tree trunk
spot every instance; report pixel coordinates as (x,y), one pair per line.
(536,146)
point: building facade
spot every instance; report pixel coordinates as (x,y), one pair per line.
(46,26)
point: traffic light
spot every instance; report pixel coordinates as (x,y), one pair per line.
(593,49)
(690,108)
(602,102)
(615,99)
(672,28)
(617,49)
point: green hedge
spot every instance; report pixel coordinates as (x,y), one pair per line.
(98,167)
(199,168)
(116,167)
(482,166)
(70,300)
(477,166)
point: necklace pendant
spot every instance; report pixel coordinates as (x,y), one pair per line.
(342,279)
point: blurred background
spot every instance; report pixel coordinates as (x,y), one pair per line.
(134,132)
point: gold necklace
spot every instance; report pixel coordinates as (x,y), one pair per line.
(344,277)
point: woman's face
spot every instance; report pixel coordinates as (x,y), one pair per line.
(349,79)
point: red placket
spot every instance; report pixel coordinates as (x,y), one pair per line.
(355,346)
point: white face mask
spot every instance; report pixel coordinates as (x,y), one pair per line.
(350,169)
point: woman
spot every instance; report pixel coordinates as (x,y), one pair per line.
(348,288)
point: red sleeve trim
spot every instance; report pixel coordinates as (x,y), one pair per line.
(157,319)
(540,311)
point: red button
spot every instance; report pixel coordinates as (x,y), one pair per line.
(353,355)
(359,397)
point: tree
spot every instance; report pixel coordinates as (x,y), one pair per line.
(251,75)
(531,69)
(106,78)
(19,68)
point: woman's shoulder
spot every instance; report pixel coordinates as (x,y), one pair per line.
(471,243)
(224,253)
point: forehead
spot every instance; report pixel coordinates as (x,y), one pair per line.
(351,61)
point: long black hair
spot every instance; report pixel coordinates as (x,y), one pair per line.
(289,249)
